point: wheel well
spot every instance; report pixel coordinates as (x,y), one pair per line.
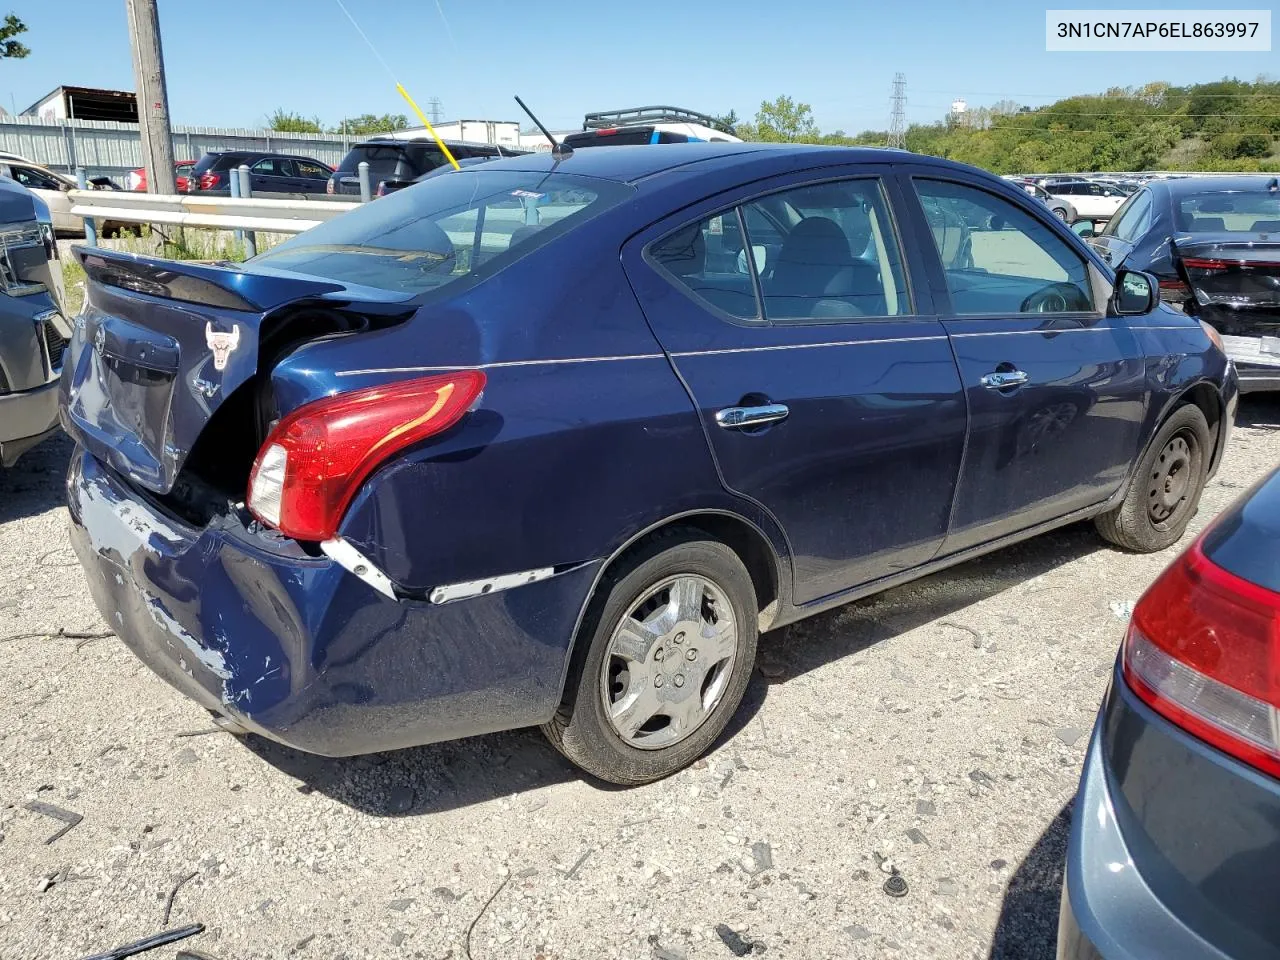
(751,546)
(1204,396)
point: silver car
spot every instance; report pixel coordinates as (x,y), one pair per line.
(33,326)
(1061,207)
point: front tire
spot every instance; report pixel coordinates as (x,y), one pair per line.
(669,642)
(1166,487)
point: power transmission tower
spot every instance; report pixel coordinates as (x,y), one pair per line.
(898,119)
(433,107)
(152,95)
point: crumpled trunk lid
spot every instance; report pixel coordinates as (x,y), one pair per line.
(160,346)
(1234,278)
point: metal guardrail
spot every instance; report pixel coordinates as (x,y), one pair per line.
(218,213)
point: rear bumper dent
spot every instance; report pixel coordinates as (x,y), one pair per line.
(298,649)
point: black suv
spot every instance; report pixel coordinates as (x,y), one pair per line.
(397,163)
(33,329)
(268,173)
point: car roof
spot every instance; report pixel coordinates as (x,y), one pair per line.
(416,142)
(1182,186)
(630,164)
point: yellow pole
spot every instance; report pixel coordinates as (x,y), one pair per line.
(426,123)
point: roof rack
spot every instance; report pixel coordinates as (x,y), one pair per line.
(638,115)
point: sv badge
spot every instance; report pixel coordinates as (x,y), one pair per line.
(222,344)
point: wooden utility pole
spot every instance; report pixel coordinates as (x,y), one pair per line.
(153,95)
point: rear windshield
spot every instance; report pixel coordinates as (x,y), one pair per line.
(449,230)
(1224,212)
(394,161)
(219,161)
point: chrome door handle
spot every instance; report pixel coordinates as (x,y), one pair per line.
(1005,378)
(733,418)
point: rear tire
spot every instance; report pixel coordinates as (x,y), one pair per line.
(664,656)
(1165,491)
(1061,215)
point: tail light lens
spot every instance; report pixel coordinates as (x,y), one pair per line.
(209,181)
(1203,650)
(133,180)
(328,187)
(316,458)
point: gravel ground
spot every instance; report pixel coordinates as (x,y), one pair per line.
(940,726)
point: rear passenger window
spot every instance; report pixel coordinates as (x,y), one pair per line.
(827,251)
(706,259)
(998,258)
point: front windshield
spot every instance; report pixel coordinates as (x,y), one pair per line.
(464,225)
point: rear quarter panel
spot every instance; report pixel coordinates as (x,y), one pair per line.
(583,438)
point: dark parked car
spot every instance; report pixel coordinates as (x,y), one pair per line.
(551,439)
(33,329)
(385,187)
(398,162)
(1177,822)
(268,173)
(1214,242)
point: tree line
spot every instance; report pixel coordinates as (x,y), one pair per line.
(362,126)
(1229,124)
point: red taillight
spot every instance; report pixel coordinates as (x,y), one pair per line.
(607,133)
(1203,650)
(1204,263)
(1215,264)
(315,459)
(209,181)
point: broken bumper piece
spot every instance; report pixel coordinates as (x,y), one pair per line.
(294,647)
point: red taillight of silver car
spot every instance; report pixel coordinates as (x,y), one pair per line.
(1203,650)
(316,458)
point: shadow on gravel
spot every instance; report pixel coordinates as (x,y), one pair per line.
(34,484)
(813,643)
(1260,411)
(458,773)
(1028,924)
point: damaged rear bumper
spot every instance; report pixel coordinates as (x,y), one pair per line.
(297,649)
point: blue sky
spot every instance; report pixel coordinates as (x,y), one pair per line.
(572,56)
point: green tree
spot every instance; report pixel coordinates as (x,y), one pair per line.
(785,121)
(368,123)
(11,49)
(287,122)
(730,121)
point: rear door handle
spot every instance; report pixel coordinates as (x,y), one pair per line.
(1002,379)
(734,418)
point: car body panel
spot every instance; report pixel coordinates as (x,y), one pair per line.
(33,333)
(1173,848)
(594,429)
(876,414)
(297,649)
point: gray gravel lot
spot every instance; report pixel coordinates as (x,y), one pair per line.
(940,726)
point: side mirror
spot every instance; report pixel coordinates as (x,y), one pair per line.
(1136,293)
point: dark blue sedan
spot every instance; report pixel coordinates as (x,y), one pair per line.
(551,440)
(1173,849)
